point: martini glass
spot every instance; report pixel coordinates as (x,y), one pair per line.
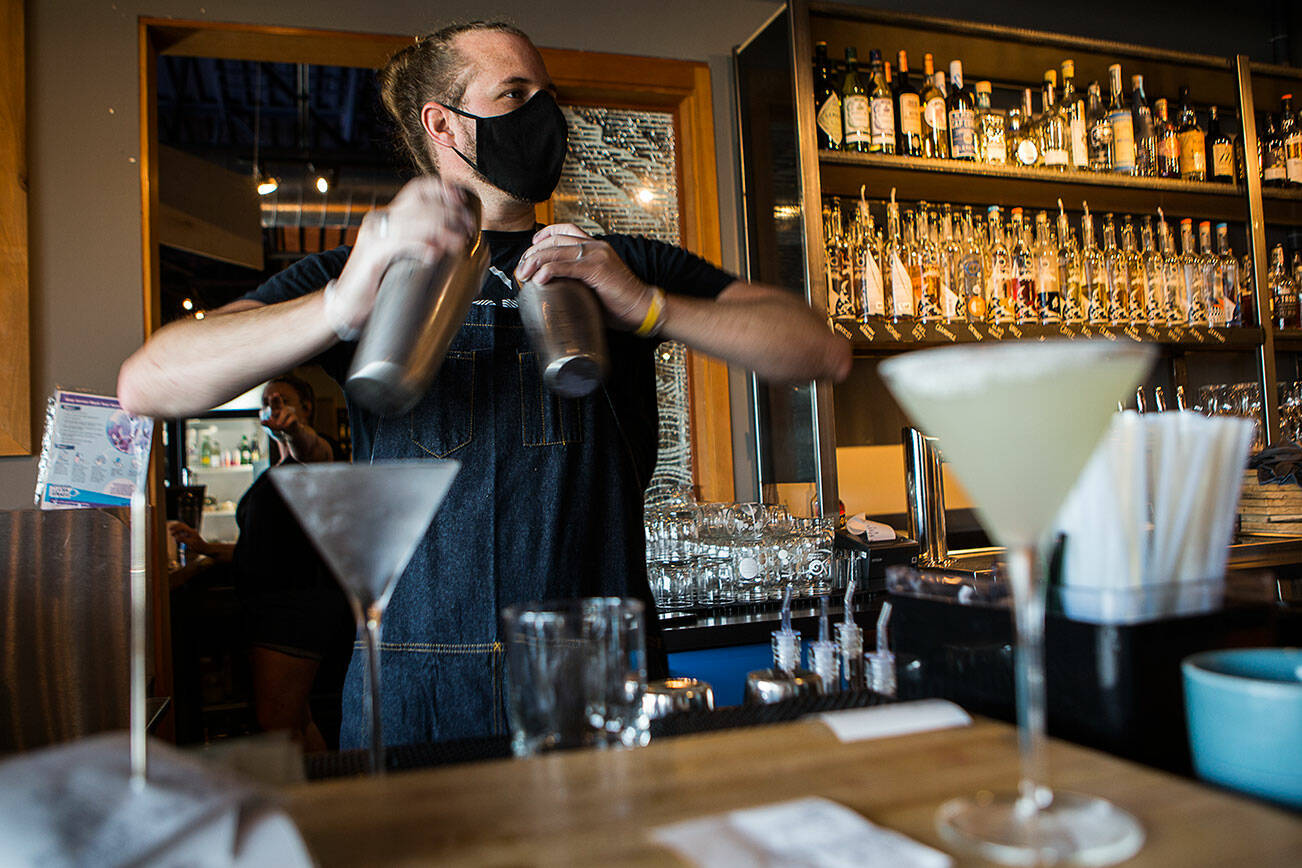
(1017,423)
(366,521)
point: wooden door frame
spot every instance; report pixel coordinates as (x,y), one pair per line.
(15,312)
(679,87)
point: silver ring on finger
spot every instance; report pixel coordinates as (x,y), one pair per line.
(579,255)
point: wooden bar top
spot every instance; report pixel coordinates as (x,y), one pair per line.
(590,808)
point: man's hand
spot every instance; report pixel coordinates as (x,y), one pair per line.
(188,536)
(565,250)
(280,419)
(427,219)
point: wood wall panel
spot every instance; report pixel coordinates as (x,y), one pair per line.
(15,316)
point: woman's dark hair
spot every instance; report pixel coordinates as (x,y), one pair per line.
(306,395)
(428,69)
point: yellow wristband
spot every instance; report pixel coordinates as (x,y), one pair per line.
(655,314)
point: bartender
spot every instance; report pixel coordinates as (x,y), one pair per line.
(548,502)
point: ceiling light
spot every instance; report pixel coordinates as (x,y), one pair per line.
(646,196)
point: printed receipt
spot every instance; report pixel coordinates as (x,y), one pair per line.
(812,833)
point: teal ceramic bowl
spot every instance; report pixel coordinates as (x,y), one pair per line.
(1244,708)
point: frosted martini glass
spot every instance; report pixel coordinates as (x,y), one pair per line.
(1017,422)
(366,521)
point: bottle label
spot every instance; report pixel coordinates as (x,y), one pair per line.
(1055,156)
(1293,158)
(910,115)
(996,152)
(962,134)
(883,121)
(901,288)
(1193,154)
(857,120)
(1079,156)
(1222,160)
(1274,167)
(1168,148)
(829,119)
(874,299)
(1123,140)
(935,113)
(1027,152)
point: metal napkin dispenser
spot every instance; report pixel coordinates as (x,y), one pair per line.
(418,309)
(563,321)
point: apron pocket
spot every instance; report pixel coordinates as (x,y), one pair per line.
(546,419)
(444,420)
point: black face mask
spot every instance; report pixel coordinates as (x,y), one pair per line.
(522,151)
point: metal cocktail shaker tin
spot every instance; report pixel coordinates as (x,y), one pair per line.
(563,321)
(418,310)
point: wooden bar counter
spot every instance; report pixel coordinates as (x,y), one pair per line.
(595,808)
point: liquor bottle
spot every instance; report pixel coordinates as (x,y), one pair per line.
(927,302)
(1023,277)
(1213,278)
(962,116)
(1238,310)
(205,452)
(1071,272)
(1193,275)
(1096,277)
(970,276)
(1027,145)
(1098,132)
(1123,126)
(1177,286)
(1054,142)
(1168,142)
(951,252)
(900,301)
(1145,139)
(1290,130)
(1074,107)
(856,109)
(1274,166)
(827,100)
(1193,145)
(1283,292)
(908,113)
(1118,275)
(1138,301)
(881,108)
(1047,286)
(1154,278)
(935,126)
(246,452)
(871,300)
(992,137)
(834,243)
(1002,293)
(1220,149)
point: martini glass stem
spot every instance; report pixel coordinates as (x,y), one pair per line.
(1028,610)
(372,639)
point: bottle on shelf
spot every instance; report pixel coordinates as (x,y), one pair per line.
(992,135)
(1023,277)
(1220,149)
(1002,282)
(1098,131)
(1283,292)
(962,116)
(827,96)
(1177,287)
(246,452)
(1047,286)
(1193,145)
(1193,275)
(900,300)
(1154,280)
(1238,310)
(1145,137)
(1213,279)
(951,294)
(1138,296)
(1096,275)
(872,289)
(856,111)
(1290,130)
(1118,275)
(205,452)
(1168,142)
(935,126)
(840,280)
(908,112)
(1274,166)
(928,302)
(881,106)
(1123,125)
(969,274)
(1054,125)
(1071,272)
(1074,107)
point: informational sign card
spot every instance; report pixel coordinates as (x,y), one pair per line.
(94,452)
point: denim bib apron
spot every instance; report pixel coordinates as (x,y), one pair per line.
(547,504)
